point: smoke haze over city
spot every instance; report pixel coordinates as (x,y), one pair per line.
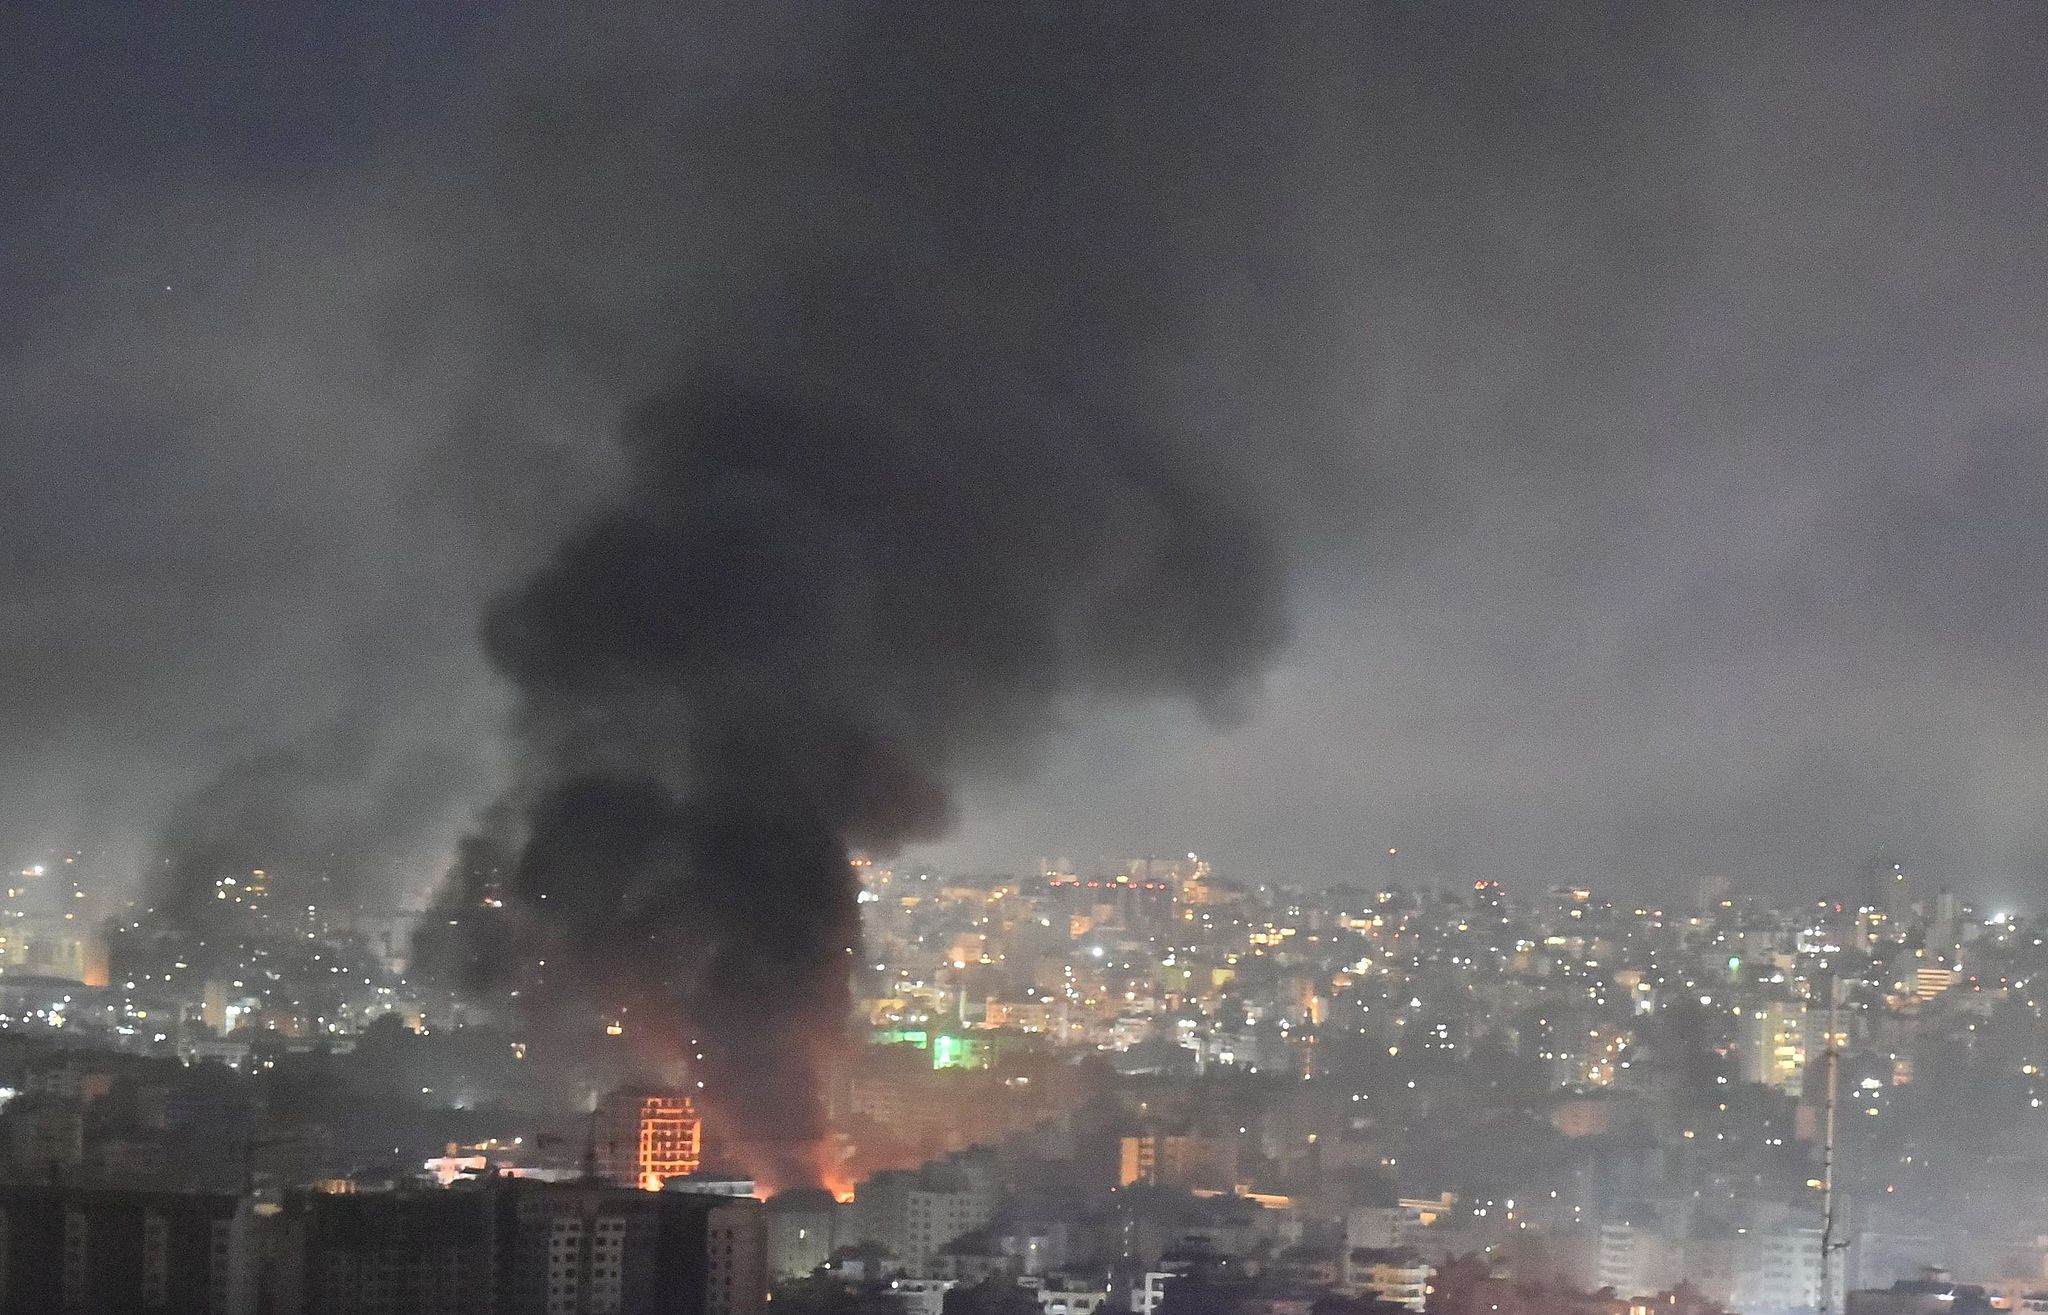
(1640,402)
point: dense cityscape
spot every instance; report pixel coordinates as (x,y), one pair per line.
(563,563)
(1147,1087)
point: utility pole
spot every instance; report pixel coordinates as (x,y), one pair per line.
(1828,1245)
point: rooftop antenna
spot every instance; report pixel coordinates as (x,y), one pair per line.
(589,1157)
(255,1142)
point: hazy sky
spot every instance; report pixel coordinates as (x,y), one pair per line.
(1645,400)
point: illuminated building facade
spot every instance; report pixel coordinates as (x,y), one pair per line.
(644,1138)
(1771,1042)
(1168,1160)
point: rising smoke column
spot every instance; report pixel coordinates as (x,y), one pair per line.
(836,583)
(924,452)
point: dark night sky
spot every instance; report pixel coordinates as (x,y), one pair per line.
(1647,399)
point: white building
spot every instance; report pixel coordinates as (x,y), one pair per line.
(915,1213)
(1064,1299)
(802,1228)
(920,1296)
(1784,1272)
(1393,1274)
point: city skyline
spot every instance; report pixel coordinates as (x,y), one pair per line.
(1290,1093)
(1024,657)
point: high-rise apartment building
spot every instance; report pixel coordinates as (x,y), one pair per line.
(1888,889)
(95,1249)
(521,1247)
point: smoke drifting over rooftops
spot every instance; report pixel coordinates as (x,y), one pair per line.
(330,816)
(843,573)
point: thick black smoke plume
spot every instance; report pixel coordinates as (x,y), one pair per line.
(928,452)
(820,602)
